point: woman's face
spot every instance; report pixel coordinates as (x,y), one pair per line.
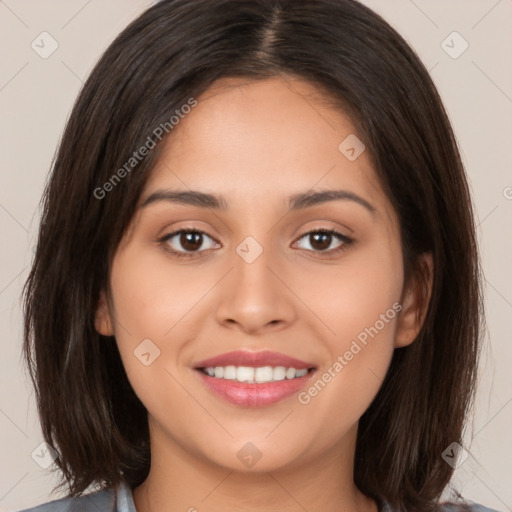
(259,277)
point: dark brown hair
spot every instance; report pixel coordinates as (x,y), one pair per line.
(173,52)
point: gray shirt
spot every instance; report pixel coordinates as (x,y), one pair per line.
(120,499)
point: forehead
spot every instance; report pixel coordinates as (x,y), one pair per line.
(253,140)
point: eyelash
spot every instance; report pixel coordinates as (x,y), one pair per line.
(343,238)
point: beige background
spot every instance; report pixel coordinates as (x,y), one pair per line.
(36,96)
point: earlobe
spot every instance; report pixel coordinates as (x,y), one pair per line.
(102,319)
(415,301)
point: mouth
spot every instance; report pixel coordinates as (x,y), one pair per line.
(254,379)
(256,375)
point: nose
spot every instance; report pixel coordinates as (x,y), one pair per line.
(255,296)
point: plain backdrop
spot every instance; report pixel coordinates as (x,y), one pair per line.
(465,44)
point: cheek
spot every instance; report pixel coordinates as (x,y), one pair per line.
(359,303)
(351,296)
(157,307)
(151,304)
(360,353)
(149,317)
(151,296)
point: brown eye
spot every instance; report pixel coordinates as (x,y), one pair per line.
(186,242)
(190,241)
(320,241)
(323,240)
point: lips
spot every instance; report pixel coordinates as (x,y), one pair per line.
(255,394)
(254,359)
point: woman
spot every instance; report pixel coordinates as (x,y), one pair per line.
(257,278)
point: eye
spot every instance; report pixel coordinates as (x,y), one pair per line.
(321,241)
(186,242)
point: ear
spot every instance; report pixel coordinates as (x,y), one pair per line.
(103,319)
(415,301)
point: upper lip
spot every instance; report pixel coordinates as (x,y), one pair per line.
(254,359)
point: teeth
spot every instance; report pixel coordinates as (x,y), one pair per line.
(290,373)
(249,374)
(279,373)
(230,372)
(263,374)
(243,374)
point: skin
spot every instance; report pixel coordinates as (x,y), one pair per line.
(257,143)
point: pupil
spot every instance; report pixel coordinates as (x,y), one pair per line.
(190,241)
(321,240)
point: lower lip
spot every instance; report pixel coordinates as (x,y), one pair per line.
(253,394)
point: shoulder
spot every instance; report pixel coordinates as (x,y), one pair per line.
(450,507)
(107,500)
(474,507)
(98,501)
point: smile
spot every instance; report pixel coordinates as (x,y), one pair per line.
(261,374)
(273,384)
(254,379)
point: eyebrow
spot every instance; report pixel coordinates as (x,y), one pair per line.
(218,202)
